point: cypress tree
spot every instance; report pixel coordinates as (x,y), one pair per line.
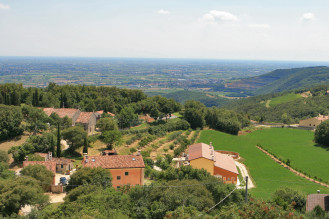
(36,97)
(85,146)
(52,146)
(58,142)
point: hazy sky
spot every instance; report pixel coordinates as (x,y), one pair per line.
(220,29)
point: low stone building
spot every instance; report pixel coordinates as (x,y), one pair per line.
(87,120)
(71,113)
(313,122)
(203,156)
(63,165)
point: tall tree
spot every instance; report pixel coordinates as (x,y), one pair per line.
(85,146)
(75,136)
(59,150)
(52,146)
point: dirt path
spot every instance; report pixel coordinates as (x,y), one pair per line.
(244,173)
(6,145)
(64,143)
(126,148)
(267,104)
(55,198)
(291,169)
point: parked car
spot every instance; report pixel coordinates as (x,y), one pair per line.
(63,181)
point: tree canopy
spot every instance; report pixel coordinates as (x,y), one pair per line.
(321,135)
(75,136)
(40,173)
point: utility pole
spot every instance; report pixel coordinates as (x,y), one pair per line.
(246,197)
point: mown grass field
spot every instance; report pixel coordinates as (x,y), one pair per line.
(267,175)
(284,99)
(297,146)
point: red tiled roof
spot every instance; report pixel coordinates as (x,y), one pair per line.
(322,118)
(147,118)
(225,162)
(200,150)
(317,199)
(61,112)
(100,112)
(58,160)
(45,155)
(84,117)
(50,165)
(114,162)
(111,114)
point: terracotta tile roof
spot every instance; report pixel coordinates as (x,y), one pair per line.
(45,155)
(50,165)
(58,160)
(225,162)
(100,112)
(322,118)
(111,114)
(84,117)
(200,150)
(114,161)
(147,118)
(61,112)
(317,199)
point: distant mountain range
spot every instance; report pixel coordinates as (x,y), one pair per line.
(283,80)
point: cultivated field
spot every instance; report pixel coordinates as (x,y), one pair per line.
(284,99)
(267,175)
(297,146)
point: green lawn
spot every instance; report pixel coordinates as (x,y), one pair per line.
(267,175)
(298,146)
(283,99)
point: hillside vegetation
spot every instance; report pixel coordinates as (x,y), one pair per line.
(283,80)
(182,96)
(287,107)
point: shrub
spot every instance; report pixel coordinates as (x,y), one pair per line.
(133,150)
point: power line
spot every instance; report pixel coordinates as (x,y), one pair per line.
(218,202)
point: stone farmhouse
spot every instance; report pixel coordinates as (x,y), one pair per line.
(313,122)
(203,156)
(125,169)
(86,119)
(54,164)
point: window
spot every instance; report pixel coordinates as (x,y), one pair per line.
(118,177)
(126,173)
(118,187)
(61,165)
(228,179)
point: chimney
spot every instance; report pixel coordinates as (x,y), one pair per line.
(139,153)
(50,155)
(85,155)
(213,157)
(210,145)
(26,158)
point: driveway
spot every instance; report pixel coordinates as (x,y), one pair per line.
(245,173)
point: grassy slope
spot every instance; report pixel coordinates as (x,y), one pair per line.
(284,99)
(267,174)
(298,146)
